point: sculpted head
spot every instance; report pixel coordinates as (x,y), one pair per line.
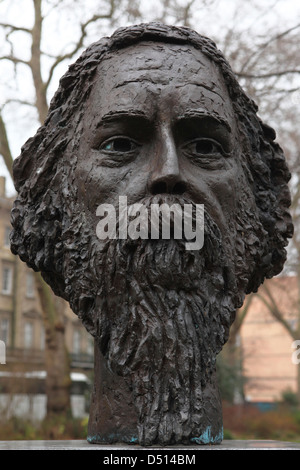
(154,113)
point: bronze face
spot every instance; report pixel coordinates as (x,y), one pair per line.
(160,120)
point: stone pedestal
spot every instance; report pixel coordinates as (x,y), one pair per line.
(124,450)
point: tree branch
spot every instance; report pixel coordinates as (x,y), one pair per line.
(15,60)
(257,53)
(79,43)
(4,147)
(244,311)
(15,28)
(277,91)
(186,13)
(274,310)
(22,102)
(267,75)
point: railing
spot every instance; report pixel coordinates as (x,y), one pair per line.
(37,356)
(82,360)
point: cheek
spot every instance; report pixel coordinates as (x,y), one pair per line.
(217,189)
(219,192)
(226,191)
(99,184)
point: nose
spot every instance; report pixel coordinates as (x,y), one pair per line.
(166,176)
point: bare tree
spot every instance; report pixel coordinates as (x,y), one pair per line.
(53,308)
(268,69)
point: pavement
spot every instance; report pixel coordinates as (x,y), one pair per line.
(125,449)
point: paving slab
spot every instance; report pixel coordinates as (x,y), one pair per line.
(84,445)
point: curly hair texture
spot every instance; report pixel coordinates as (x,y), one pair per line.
(43,171)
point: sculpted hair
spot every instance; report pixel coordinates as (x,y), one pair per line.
(42,170)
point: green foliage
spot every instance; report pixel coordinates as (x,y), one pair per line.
(230,378)
(56,427)
(248,422)
(240,422)
(227,435)
(289,398)
(17,429)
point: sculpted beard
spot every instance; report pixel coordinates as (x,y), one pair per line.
(154,306)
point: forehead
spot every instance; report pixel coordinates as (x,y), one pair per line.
(146,75)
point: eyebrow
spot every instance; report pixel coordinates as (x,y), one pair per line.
(199,114)
(118,115)
(113,116)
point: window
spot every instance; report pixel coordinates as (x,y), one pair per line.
(6,241)
(28,335)
(4,330)
(7,275)
(76,342)
(29,284)
(90,346)
(42,338)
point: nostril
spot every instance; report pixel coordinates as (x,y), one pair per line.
(159,187)
(179,188)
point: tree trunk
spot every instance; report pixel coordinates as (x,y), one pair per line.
(57,362)
(35,62)
(4,147)
(58,379)
(58,382)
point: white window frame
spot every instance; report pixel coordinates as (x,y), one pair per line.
(28,335)
(29,285)
(76,346)
(7,280)
(4,330)
(6,240)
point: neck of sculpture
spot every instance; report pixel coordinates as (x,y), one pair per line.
(116,418)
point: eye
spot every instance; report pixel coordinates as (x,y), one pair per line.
(119,145)
(206,153)
(204,147)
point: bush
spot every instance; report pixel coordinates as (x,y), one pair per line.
(248,422)
(289,398)
(16,429)
(57,428)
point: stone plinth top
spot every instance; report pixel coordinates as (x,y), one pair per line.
(84,445)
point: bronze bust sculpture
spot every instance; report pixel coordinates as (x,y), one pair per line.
(153,113)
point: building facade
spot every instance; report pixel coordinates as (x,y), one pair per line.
(270,357)
(21,322)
